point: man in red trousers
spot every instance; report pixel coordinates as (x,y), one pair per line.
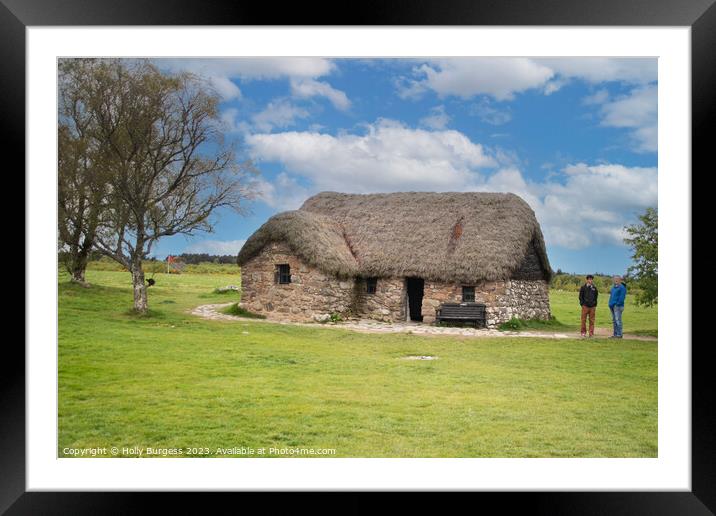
(588,301)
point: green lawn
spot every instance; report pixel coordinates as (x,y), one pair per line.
(173,380)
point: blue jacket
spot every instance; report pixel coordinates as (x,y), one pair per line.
(617,295)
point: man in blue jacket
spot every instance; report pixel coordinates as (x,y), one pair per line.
(617,296)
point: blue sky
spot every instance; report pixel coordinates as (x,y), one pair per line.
(574,137)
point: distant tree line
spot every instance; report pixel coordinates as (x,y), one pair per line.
(572,282)
(187,258)
(197,258)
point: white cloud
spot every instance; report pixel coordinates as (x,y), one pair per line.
(278,113)
(554,86)
(388,157)
(604,69)
(284,193)
(636,111)
(222,72)
(231,122)
(504,77)
(225,87)
(251,68)
(598,97)
(306,88)
(498,77)
(437,119)
(589,207)
(594,202)
(489,114)
(579,206)
(216,247)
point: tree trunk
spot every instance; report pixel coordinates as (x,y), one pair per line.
(79,265)
(140,289)
(76,264)
(78,276)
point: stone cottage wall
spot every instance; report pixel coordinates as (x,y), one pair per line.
(492,293)
(524,299)
(386,304)
(528,299)
(310,294)
(313,295)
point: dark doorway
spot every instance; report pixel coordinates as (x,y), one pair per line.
(415,298)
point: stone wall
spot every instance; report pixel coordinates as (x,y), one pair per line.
(313,295)
(491,293)
(503,299)
(386,304)
(527,299)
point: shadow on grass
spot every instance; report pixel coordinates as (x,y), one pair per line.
(645,333)
(149,314)
(71,288)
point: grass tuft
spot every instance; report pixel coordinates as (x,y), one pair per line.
(235,309)
(516,324)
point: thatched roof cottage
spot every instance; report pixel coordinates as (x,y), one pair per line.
(398,257)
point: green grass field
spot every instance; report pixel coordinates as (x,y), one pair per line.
(173,380)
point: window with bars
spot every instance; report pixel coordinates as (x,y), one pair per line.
(371,285)
(468,294)
(283,274)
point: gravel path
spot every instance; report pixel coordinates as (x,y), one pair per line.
(213,312)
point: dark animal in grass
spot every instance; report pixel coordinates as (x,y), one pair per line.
(150,282)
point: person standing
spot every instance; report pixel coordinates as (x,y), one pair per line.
(617,296)
(588,301)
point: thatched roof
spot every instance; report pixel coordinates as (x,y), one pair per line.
(317,239)
(461,237)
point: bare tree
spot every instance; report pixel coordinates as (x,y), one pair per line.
(169,169)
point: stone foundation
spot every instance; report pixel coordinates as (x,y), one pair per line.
(313,295)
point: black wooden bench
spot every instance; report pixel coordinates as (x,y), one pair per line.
(461,312)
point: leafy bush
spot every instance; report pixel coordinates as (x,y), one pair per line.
(513,324)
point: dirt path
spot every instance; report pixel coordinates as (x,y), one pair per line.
(213,312)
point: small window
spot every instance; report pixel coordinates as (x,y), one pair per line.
(468,294)
(371,285)
(283,274)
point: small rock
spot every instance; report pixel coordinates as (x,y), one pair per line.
(227,288)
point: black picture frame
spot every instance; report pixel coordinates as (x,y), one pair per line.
(700,15)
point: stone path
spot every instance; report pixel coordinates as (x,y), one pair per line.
(213,312)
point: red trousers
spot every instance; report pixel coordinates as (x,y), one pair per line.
(591,312)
